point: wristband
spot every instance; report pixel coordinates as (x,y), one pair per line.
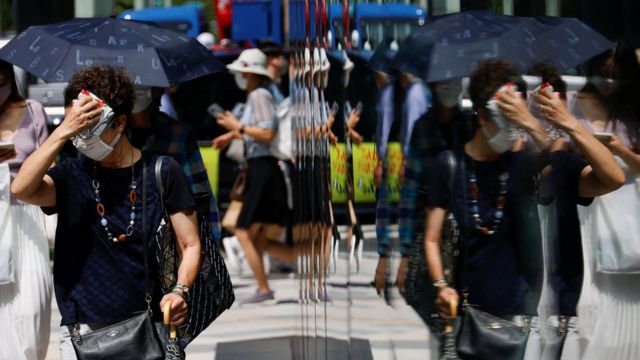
(242,130)
(182,291)
(440,284)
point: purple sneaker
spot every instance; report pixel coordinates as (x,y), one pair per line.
(323,296)
(260,298)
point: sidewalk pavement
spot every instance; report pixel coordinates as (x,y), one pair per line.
(391,332)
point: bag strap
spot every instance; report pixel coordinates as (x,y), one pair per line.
(159,184)
(147,294)
(452,163)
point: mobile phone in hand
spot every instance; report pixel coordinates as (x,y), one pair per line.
(215,110)
(359,107)
(7,146)
(334,108)
(603,137)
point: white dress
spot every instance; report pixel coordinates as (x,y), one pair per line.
(609,306)
(25,304)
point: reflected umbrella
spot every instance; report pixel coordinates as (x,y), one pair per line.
(152,56)
(569,42)
(450,46)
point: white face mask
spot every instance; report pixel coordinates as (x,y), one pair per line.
(449,92)
(143,99)
(93,147)
(606,86)
(241,81)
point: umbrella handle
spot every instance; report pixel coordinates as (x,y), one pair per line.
(166,312)
(453,308)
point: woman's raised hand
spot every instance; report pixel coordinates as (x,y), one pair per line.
(554,110)
(81,115)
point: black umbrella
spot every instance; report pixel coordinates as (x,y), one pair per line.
(153,56)
(382,58)
(569,42)
(450,46)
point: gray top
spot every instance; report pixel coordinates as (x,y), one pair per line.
(259,111)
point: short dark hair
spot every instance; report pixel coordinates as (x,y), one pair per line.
(487,78)
(7,69)
(551,75)
(270,48)
(112,85)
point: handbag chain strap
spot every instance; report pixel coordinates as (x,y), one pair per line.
(75,333)
(453,163)
(147,296)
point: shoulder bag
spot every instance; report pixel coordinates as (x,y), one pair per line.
(7,259)
(212,292)
(230,219)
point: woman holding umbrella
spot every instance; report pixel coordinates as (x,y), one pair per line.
(25,302)
(492,194)
(100,270)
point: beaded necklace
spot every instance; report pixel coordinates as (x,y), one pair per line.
(500,202)
(101,211)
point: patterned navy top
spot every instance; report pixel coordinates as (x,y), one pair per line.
(95,279)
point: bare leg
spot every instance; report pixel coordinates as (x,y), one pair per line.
(253,256)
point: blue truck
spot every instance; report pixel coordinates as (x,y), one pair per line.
(262,19)
(370,24)
(189,18)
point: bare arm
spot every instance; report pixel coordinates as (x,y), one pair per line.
(602,175)
(631,158)
(32,185)
(435,221)
(231,123)
(186,230)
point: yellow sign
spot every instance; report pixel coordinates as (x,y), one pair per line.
(338,156)
(365,159)
(211,159)
(394,164)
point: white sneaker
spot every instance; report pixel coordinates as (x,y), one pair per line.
(267,263)
(232,258)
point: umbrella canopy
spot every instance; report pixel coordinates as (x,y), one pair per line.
(569,42)
(452,45)
(382,58)
(153,56)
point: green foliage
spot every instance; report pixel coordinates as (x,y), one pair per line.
(6,16)
(496,6)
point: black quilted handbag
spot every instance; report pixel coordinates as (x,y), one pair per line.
(212,293)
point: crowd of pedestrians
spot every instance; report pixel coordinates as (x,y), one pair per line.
(522,207)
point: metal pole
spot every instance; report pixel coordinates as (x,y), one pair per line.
(93,8)
(552,7)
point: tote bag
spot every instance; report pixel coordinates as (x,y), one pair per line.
(6,228)
(615,221)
